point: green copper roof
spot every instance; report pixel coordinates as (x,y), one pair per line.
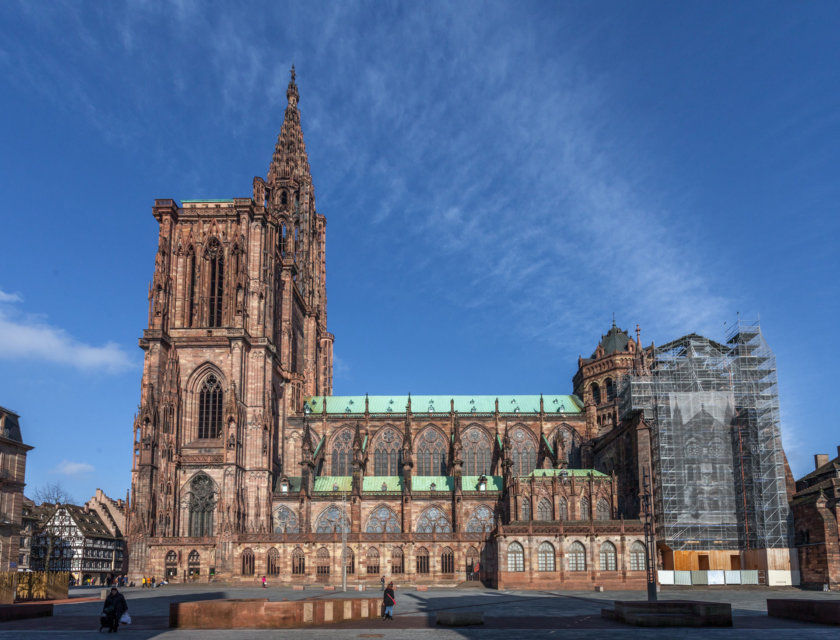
(577,473)
(320,444)
(333,483)
(203,200)
(470,483)
(424,483)
(548,444)
(374,483)
(525,404)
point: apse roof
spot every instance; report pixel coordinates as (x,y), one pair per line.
(442,403)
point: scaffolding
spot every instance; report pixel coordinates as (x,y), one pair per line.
(717,457)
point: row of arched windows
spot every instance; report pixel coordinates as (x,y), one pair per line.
(431,452)
(545,509)
(575,557)
(609,389)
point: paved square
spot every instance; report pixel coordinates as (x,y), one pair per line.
(508,614)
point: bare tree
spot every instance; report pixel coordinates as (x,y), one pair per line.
(52,493)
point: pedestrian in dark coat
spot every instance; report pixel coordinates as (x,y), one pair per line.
(389,600)
(113,609)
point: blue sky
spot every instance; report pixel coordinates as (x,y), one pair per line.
(498,179)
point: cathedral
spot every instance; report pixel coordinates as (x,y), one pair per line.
(246,465)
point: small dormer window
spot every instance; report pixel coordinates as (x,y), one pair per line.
(384,486)
(433,487)
(284,199)
(335,486)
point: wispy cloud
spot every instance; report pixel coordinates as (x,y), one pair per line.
(26,337)
(68,468)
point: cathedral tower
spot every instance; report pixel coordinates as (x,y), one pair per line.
(237,337)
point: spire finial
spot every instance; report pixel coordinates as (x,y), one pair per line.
(293,72)
(292,90)
(613,319)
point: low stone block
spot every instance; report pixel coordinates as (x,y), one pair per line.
(599,589)
(23,611)
(819,611)
(671,613)
(329,588)
(298,587)
(422,587)
(459,618)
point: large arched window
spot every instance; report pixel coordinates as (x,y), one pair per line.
(210,402)
(171,565)
(545,557)
(433,520)
(447,561)
(585,511)
(637,556)
(273,562)
(431,453)
(524,452)
(373,560)
(515,557)
(544,509)
(285,521)
(247,562)
(397,560)
(298,562)
(332,520)
(525,508)
(193,563)
(602,511)
(577,557)
(563,509)
(382,520)
(387,454)
(596,393)
(422,557)
(349,560)
(608,562)
(342,453)
(202,505)
(216,259)
(481,520)
(322,562)
(477,452)
(610,386)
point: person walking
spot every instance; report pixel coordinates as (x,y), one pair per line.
(264,583)
(382,582)
(113,609)
(389,601)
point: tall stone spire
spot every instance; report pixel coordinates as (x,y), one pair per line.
(290,161)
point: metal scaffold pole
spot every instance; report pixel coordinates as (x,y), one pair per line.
(344,523)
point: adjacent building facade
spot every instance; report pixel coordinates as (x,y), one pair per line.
(816,506)
(12,474)
(245,464)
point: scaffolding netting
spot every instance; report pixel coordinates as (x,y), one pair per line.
(717,458)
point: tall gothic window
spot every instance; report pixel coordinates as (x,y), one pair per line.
(298,562)
(433,520)
(602,510)
(610,385)
(273,562)
(247,562)
(210,408)
(447,561)
(637,556)
(525,508)
(431,453)
(192,293)
(422,557)
(577,557)
(481,520)
(563,510)
(386,454)
(515,557)
(383,520)
(216,257)
(607,557)
(544,509)
(477,452)
(545,557)
(596,393)
(342,454)
(332,520)
(322,562)
(285,521)
(585,511)
(193,563)
(397,560)
(372,560)
(202,505)
(349,560)
(524,453)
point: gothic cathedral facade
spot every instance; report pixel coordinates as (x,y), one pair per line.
(245,464)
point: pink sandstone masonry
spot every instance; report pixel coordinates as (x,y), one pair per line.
(259,613)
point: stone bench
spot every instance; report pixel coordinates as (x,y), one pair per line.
(820,611)
(260,613)
(459,618)
(670,613)
(25,610)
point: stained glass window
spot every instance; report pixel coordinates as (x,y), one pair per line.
(383,520)
(431,453)
(332,520)
(577,557)
(608,561)
(477,452)
(544,509)
(481,520)
(210,400)
(524,452)
(433,520)
(342,454)
(545,557)
(637,556)
(515,557)
(202,505)
(386,453)
(285,521)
